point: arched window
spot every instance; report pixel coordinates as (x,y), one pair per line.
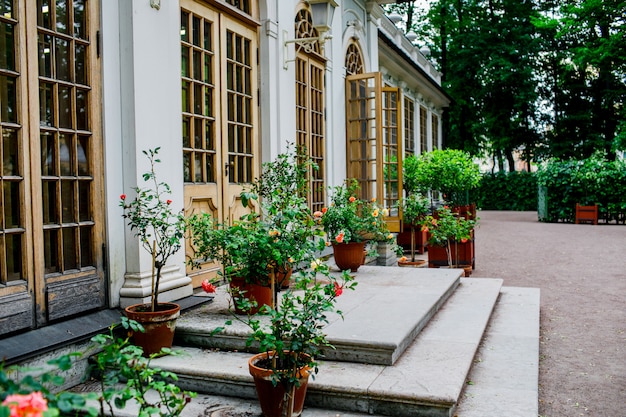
(310,108)
(354,60)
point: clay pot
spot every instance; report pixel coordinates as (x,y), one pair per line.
(412,264)
(348,255)
(273,401)
(159,325)
(242,287)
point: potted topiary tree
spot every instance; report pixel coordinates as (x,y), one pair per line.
(160,230)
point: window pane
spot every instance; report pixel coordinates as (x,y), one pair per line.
(84,202)
(184,58)
(46,111)
(187,166)
(51,250)
(8,111)
(65,107)
(184,26)
(45,55)
(68,201)
(80,31)
(186,141)
(6,8)
(69,248)
(62,15)
(82,120)
(80,64)
(7,52)
(14,256)
(10,164)
(48,159)
(11,190)
(65,156)
(43,13)
(86,243)
(196,31)
(62,60)
(81,155)
(49,200)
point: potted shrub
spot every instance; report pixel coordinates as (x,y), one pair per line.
(449,230)
(160,230)
(349,223)
(414,208)
(450,172)
(292,337)
(256,248)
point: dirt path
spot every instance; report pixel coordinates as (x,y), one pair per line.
(581,271)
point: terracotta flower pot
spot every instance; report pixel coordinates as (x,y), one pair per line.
(272,398)
(261,294)
(412,264)
(349,255)
(159,325)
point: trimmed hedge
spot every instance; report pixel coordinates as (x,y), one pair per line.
(590,181)
(507,191)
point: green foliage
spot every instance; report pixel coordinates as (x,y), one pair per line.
(159,229)
(283,233)
(507,191)
(594,180)
(412,182)
(121,362)
(446,227)
(414,208)
(295,329)
(38,381)
(349,219)
(451,172)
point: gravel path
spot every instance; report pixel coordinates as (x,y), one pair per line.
(581,271)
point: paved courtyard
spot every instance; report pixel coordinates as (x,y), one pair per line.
(581,271)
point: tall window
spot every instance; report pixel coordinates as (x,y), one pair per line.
(423,130)
(310,120)
(409,126)
(434,130)
(51,231)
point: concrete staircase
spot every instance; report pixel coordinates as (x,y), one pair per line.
(413,342)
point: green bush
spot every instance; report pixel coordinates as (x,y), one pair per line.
(595,180)
(507,191)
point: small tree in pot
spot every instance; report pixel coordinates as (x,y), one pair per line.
(293,337)
(160,230)
(414,208)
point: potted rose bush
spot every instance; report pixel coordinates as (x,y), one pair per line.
(449,230)
(292,338)
(349,223)
(160,230)
(258,249)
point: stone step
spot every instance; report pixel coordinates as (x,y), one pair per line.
(426,380)
(505,375)
(382,317)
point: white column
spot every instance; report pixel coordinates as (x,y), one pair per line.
(150,104)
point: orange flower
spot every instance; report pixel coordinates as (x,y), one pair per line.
(318,214)
(352,199)
(403,259)
(425,229)
(375,213)
(30,405)
(339,237)
(464,240)
(324,210)
(434,222)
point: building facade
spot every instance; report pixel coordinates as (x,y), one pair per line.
(219,86)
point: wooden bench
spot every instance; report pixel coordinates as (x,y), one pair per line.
(586,214)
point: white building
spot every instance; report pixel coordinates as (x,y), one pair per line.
(220,86)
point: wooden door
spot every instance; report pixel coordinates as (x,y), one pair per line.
(52,235)
(373,152)
(220,115)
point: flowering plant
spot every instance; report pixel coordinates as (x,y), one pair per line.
(446,227)
(349,219)
(258,244)
(293,336)
(159,229)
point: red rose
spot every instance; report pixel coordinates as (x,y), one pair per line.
(169,202)
(207,286)
(338,290)
(123,197)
